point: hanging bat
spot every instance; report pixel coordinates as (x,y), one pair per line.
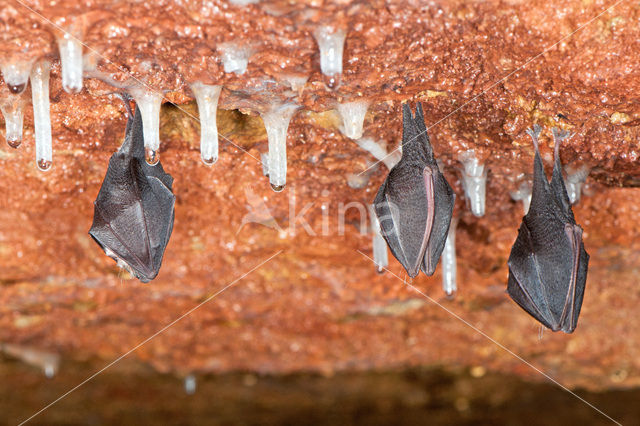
(134,211)
(415,202)
(548,262)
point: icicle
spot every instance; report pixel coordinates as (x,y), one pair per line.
(474,181)
(352,114)
(190,384)
(47,361)
(149,103)
(70,49)
(574,181)
(207,98)
(449,265)
(523,194)
(12,112)
(331,44)
(276,121)
(16,75)
(235,57)
(380,256)
(41,114)
(380,154)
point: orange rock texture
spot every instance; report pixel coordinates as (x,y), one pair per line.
(281,282)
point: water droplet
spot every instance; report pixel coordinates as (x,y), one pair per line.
(277,188)
(44,165)
(14,143)
(332,81)
(380,270)
(152,157)
(17,88)
(209,161)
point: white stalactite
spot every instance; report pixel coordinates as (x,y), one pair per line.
(16,74)
(474,180)
(12,110)
(380,255)
(449,264)
(70,49)
(331,44)
(235,57)
(276,122)
(353,114)
(41,114)
(523,194)
(207,98)
(574,182)
(149,102)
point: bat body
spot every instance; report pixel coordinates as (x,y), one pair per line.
(548,262)
(134,210)
(415,203)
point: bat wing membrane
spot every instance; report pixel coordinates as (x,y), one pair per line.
(444,200)
(406,199)
(158,209)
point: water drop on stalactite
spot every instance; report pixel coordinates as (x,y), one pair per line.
(41,114)
(331,44)
(44,165)
(474,181)
(353,114)
(449,264)
(70,49)
(151,157)
(149,102)
(207,98)
(276,122)
(277,188)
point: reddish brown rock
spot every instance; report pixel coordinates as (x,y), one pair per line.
(484,71)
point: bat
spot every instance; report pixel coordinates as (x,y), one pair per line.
(548,263)
(134,210)
(415,202)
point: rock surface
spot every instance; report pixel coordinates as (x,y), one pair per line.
(485,71)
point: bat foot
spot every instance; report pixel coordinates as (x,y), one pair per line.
(534,132)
